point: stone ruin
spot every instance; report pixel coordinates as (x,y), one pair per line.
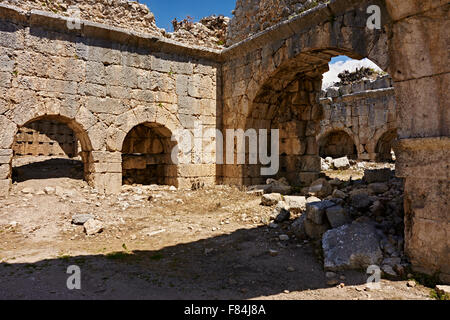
(123,87)
(360,120)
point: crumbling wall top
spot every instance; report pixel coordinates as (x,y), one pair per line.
(118,13)
(253,16)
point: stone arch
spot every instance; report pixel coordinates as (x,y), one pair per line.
(337,143)
(80,135)
(147,155)
(385,144)
(288,98)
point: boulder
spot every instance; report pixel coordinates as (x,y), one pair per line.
(325,166)
(321,188)
(352,246)
(341,163)
(379,175)
(315,211)
(339,194)
(81,219)
(279,186)
(378,188)
(296,204)
(92,227)
(361,200)
(271,199)
(315,231)
(298,228)
(337,216)
(283,216)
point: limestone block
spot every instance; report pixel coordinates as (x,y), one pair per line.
(5,171)
(5,79)
(5,186)
(5,156)
(7,132)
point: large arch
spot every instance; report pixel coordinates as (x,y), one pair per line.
(337,143)
(385,145)
(22,120)
(81,135)
(147,156)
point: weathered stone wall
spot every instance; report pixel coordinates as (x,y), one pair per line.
(365,112)
(419,66)
(101,85)
(253,16)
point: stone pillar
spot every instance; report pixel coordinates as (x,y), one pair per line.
(419,66)
(104,171)
(5,171)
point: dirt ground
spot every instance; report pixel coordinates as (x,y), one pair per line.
(159,244)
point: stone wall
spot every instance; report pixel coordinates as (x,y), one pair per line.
(253,16)
(101,85)
(365,112)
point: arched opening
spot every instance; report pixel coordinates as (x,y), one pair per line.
(385,147)
(147,156)
(337,144)
(50,147)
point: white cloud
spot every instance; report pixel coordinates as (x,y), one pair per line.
(336,68)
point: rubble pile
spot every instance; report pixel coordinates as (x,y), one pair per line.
(208,32)
(358,223)
(118,13)
(359,74)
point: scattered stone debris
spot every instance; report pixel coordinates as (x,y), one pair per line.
(81,219)
(208,32)
(93,226)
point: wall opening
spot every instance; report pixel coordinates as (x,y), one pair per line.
(147,156)
(45,149)
(385,147)
(337,144)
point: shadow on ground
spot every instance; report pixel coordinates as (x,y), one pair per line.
(231,266)
(49,169)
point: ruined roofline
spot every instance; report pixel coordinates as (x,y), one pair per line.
(362,87)
(106,32)
(281,30)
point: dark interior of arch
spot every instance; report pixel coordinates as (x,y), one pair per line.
(385,147)
(46,148)
(146,156)
(337,144)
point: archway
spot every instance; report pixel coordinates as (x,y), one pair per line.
(337,144)
(51,147)
(385,147)
(147,156)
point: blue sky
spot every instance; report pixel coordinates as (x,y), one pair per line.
(166,10)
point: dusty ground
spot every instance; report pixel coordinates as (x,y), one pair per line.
(158,244)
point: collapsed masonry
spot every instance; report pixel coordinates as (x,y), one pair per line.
(102,82)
